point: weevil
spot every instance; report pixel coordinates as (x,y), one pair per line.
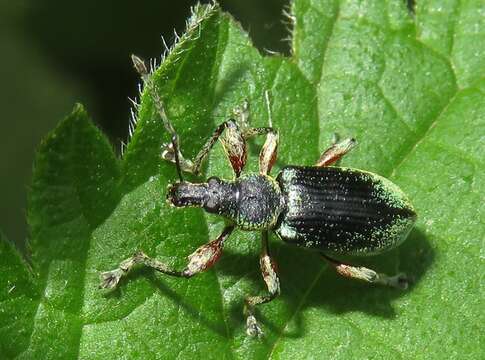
(332,210)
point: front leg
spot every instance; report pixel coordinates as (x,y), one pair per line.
(201,259)
(270,277)
(194,166)
(233,140)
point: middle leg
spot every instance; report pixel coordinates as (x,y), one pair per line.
(270,277)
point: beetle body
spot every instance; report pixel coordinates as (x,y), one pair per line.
(331,209)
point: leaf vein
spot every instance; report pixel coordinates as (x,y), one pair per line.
(297,309)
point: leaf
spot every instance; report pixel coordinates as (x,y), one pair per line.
(409,88)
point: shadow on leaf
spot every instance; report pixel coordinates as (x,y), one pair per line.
(307,282)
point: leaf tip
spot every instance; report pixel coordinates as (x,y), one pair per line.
(79,111)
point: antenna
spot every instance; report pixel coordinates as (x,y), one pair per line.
(141,68)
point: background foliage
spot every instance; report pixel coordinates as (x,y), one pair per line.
(409,86)
(88,63)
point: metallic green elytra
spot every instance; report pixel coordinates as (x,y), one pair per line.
(333,210)
(342,210)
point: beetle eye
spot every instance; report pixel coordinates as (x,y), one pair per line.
(213,180)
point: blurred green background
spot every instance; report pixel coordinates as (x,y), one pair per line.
(55,53)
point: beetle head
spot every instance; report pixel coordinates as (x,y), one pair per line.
(214,196)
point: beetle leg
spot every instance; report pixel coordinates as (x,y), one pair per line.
(241,115)
(335,152)
(268,153)
(233,135)
(235,147)
(233,140)
(399,281)
(168,153)
(267,156)
(201,259)
(233,143)
(270,277)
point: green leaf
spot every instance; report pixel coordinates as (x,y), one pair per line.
(409,87)
(74,189)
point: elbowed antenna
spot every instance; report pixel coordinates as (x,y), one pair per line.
(141,68)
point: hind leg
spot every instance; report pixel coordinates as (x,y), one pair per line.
(335,152)
(399,281)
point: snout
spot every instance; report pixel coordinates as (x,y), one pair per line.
(184,194)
